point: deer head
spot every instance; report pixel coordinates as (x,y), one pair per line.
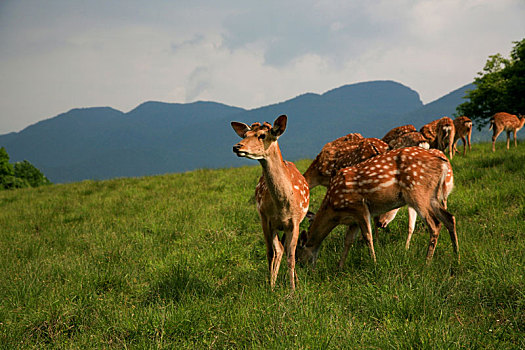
(258,141)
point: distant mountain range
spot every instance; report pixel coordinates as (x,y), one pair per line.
(156,138)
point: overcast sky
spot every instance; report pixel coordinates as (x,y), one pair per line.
(61,54)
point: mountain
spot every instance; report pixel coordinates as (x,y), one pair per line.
(155,137)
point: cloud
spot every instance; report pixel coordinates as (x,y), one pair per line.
(78,54)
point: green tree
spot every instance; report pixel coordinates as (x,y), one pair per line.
(500,87)
(29,173)
(7,171)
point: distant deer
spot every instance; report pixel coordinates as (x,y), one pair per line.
(463,128)
(282,194)
(508,122)
(411,175)
(440,134)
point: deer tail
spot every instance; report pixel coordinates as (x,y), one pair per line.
(491,123)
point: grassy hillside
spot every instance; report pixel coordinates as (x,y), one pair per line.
(178,261)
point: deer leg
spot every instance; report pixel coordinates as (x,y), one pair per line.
(291,244)
(276,261)
(351,234)
(450,223)
(468,139)
(366,231)
(412,215)
(274,250)
(434,227)
(515,141)
(464,145)
(494,137)
(508,139)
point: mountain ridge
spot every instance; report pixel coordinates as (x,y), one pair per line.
(159,137)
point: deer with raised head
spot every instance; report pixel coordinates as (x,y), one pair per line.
(463,128)
(282,194)
(407,176)
(508,122)
(440,134)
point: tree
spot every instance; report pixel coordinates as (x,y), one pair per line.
(6,169)
(500,87)
(27,172)
(22,174)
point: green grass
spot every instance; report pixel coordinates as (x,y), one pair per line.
(178,261)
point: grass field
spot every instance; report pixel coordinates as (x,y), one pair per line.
(178,261)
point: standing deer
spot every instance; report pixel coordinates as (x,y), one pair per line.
(440,134)
(386,218)
(508,122)
(282,194)
(411,175)
(463,128)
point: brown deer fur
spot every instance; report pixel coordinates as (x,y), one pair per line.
(463,128)
(282,194)
(440,134)
(398,131)
(340,154)
(508,122)
(411,175)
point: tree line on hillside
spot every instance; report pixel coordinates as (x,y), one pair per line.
(500,87)
(20,175)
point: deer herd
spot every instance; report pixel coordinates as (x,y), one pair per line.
(366,179)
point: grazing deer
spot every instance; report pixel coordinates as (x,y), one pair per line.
(282,194)
(411,175)
(508,122)
(341,153)
(463,128)
(440,134)
(397,132)
(409,139)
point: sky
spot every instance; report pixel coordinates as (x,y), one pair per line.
(61,54)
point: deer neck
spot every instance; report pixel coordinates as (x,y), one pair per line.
(277,177)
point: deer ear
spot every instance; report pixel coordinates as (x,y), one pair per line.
(240,128)
(279,125)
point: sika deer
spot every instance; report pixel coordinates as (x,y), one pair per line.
(440,134)
(341,153)
(508,122)
(409,139)
(411,175)
(463,128)
(386,218)
(397,132)
(282,194)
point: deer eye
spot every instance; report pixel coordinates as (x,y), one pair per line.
(262,136)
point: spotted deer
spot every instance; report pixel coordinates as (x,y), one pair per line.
(410,175)
(397,132)
(508,122)
(282,194)
(409,139)
(440,134)
(341,153)
(463,128)
(384,219)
